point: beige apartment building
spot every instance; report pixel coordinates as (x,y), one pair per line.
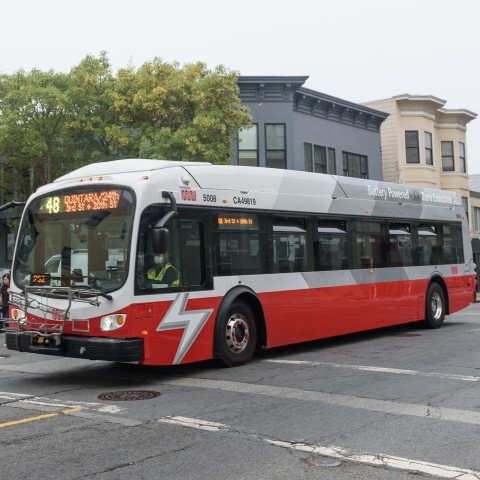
(424,144)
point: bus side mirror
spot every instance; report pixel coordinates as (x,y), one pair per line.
(160,240)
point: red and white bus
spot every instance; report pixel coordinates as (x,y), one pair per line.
(263,257)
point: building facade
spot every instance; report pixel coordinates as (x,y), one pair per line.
(424,144)
(300,129)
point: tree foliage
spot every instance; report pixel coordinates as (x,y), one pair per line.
(179,113)
(51,123)
(33,112)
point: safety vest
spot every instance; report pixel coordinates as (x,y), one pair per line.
(152,275)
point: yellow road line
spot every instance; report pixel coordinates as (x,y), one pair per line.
(38,417)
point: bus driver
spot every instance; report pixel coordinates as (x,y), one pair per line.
(163,272)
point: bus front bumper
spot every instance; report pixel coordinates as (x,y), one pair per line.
(90,348)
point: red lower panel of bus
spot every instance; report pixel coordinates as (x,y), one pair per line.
(305,315)
(302,315)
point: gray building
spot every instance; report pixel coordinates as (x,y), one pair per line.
(301,129)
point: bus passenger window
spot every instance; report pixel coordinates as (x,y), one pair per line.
(332,246)
(370,245)
(238,244)
(192,252)
(400,247)
(289,246)
(428,250)
(452,244)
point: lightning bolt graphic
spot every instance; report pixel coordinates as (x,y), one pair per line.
(192,321)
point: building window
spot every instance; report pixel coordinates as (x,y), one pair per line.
(248,146)
(476,219)
(411,146)
(447,157)
(331,163)
(275,154)
(461,157)
(428,149)
(355,165)
(321,160)
(307,157)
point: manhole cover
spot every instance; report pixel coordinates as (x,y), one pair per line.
(129,395)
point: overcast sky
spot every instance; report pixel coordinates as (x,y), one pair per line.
(358,50)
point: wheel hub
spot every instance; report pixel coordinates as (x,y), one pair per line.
(436,306)
(237,333)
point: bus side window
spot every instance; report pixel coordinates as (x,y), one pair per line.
(452,244)
(332,245)
(370,245)
(289,245)
(400,246)
(191,241)
(238,244)
(427,244)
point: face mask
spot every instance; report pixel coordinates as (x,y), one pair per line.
(158,259)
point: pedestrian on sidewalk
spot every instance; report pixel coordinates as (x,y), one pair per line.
(5,292)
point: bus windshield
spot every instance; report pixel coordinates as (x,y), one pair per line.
(76,238)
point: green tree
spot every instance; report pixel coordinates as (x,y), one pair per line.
(90,92)
(179,113)
(33,110)
(51,123)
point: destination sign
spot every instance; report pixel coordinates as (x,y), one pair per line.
(237,221)
(81,202)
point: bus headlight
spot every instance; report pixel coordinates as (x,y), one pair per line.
(112,322)
(18,316)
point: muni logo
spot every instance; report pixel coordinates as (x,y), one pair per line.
(192,321)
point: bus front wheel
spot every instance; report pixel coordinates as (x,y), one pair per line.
(236,335)
(435,306)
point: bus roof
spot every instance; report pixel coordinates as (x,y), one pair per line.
(251,180)
(124,166)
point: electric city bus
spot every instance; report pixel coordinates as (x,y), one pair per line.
(263,258)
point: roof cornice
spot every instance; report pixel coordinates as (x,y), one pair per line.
(340,102)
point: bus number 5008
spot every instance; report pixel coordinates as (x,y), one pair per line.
(209,198)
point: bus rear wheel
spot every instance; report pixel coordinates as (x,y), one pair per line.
(236,335)
(435,306)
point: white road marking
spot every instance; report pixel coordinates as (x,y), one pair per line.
(127,422)
(55,403)
(464,378)
(194,423)
(377,460)
(14,396)
(380,460)
(385,406)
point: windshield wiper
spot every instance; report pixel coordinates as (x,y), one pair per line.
(93,290)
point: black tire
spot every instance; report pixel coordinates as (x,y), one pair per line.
(435,306)
(236,335)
